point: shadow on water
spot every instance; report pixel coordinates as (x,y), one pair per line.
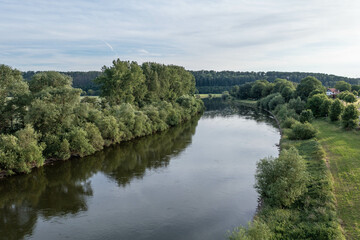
(64,187)
(216,107)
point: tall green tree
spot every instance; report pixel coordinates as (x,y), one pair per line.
(350,117)
(308,85)
(13,99)
(336,110)
(343,86)
(124,82)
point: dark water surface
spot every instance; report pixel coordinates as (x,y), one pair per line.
(194,181)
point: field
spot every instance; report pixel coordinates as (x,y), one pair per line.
(343,155)
(209,95)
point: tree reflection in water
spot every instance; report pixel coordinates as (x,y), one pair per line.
(64,187)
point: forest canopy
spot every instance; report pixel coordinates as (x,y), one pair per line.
(45,117)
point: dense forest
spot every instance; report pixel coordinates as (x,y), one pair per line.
(210,81)
(218,82)
(46,118)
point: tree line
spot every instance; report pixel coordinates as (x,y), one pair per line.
(211,81)
(296,187)
(46,118)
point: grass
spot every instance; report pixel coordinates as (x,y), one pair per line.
(343,153)
(207,95)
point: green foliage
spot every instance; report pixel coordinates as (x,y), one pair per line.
(302,131)
(336,110)
(13,99)
(225,95)
(343,86)
(94,136)
(79,142)
(307,85)
(297,104)
(325,107)
(347,97)
(138,101)
(51,79)
(315,103)
(306,116)
(20,152)
(350,117)
(281,181)
(288,122)
(275,101)
(260,89)
(123,82)
(283,112)
(256,230)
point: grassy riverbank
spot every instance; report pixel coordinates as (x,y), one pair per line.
(313,215)
(343,154)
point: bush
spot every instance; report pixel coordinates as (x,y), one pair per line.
(79,143)
(277,100)
(315,103)
(302,131)
(306,116)
(288,123)
(257,230)
(22,151)
(297,104)
(281,181)
(350,117)
(336,110)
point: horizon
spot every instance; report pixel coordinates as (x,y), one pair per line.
(259,36)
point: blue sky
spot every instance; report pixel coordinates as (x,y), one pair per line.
(241,35)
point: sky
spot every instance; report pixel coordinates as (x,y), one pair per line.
(239,35)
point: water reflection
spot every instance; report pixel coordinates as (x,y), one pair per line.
(216,107)
(171,185)
(64,188)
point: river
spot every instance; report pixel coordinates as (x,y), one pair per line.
(194,181)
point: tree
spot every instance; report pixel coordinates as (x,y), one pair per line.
(51,79)
(123,82)
(259,89)
(302,131)
(281,181)
(315,104)
(307,85)
(297,104)
(343,86)
(306,116)
(13,99)
(350,117)
(336,110)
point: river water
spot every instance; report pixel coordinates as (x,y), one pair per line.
(194,181)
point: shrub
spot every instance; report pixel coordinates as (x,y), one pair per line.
(297,104)
(79,143)
(302,131)
(306,116)
(315,104)
(257,230)
(277,100)
(288,123)
(281,181)
(350,117)
(336,110)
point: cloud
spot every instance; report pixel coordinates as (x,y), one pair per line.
(300,35)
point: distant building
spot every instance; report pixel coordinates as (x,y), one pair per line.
(332,92)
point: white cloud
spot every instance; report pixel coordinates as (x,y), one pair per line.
(299,35)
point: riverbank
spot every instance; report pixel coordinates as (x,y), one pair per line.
(313,215)
(343,154)
(49,161)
